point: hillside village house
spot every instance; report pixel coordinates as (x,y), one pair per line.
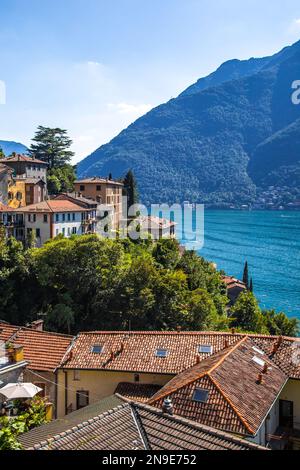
(42,352)
(27,183)
(104,191)
(26,166)
(54,217)
(248,385)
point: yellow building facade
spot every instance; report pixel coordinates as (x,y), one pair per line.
(74,384)
(17,194)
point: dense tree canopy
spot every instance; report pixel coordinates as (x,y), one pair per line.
(52,146)
(87,282)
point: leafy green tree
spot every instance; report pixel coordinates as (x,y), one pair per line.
(279,324)
(130,186)
(246,313)
(61,179)
(1,154)
(166,253)
(52,145)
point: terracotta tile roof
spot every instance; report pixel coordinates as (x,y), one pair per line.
(43,350)
(97,180)
(151,222)
(4,168)
(46,431)
(23,158)
(53,205)
(136,352)
(237,400)
(137,391)
(232,282)
(141,427)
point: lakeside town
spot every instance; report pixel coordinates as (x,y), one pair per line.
(142,336)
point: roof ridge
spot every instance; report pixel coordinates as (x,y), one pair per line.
(196,425)
(198,376)
(27,328)
(230,350)
(78,426)
(241,418)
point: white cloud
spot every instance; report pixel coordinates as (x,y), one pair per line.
(294,27)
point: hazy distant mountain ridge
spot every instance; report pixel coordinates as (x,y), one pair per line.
(218,141)
(9,147)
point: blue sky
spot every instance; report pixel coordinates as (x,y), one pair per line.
(94,66)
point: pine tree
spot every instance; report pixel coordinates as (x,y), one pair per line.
(52,146)
(130,185)
(246,275)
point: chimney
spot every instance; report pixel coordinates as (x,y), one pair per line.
(178,329)
(37,325)
(167,406)
(198,359)
(233,331)
(265,369)
(260,379)
(122,347)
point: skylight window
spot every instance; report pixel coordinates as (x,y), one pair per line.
(97,349)
(205,349)
(200,395)
(161,353)
(258,361)
(259,351)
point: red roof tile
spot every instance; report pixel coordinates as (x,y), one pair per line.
(137,391)
(237,400)
(53,205)
(43,350)
(22,158)
(136,352)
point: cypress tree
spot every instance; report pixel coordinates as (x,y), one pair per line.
(246,275)
(251,285)
(130,185)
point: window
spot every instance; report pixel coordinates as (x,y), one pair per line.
(205,349)
(258,361)
(63,217)
(161,353)
(29,217)
(38,233)
(82,399)
(200,395)
(259,351)
(45,218)
(74,230)
(19,196)
(69,217)
(82,187)
(73,216)
(97,349)
(98,187)
(63,231)
(56,217)
(76,376)
(10,196)
(34,217)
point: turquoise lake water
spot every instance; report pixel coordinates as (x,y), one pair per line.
(269,241)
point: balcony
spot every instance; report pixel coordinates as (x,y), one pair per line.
(285,438)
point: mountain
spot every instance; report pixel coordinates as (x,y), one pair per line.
(224,140)
(10,147)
